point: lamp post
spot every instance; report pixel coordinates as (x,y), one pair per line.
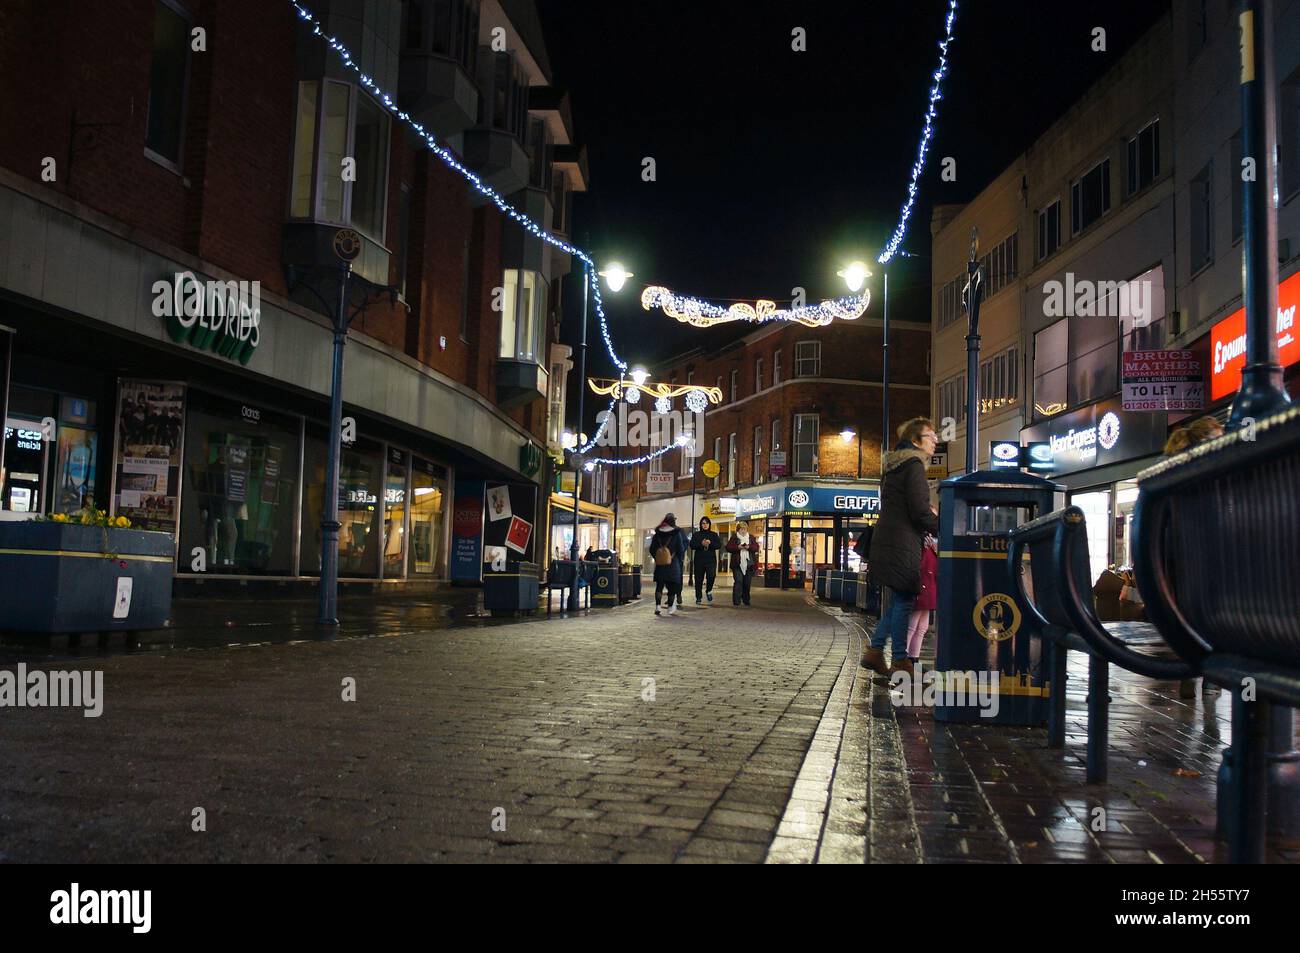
(854,275)
(972,293)
(347,245)
(848,434)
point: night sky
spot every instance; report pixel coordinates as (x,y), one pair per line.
(776,167)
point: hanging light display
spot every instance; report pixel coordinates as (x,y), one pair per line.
(703,314)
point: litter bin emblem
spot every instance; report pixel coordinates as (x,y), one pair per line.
(997,617)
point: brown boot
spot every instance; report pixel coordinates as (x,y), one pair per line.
(874,659)
(903,664)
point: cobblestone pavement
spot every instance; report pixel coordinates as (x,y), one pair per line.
(615,736)
(911,789)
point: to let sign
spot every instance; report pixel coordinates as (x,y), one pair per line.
(658,482)
(1163,380)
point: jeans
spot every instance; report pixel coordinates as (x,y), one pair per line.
(704,576)
(740,585)
(894,623)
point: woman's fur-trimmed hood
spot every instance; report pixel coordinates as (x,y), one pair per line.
(896,458)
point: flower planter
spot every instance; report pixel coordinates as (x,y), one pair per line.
(58,577)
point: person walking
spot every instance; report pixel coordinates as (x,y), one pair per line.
(668,550)
(705,544)
(744,562)
(898,539)
(926,601)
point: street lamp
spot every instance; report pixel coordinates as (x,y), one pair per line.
(847,435)
(855,275)
(616,277)
(640,375)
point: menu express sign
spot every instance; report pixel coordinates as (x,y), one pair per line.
(1228,340)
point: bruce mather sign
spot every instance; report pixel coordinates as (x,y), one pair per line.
(1163,380)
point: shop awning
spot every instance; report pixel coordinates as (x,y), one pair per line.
(564,504)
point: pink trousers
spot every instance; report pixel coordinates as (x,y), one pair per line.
(917,624)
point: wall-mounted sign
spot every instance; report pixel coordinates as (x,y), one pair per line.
(776,464)
(659,482)
(850,501)
(1228,340)
(530,459)
(1163,380)
(1098,435)
(1037,457)
(937,468)
(218,316)
(1004,455)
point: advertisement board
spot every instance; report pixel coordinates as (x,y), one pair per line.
(467,531)
(1163,380)
(1228,340)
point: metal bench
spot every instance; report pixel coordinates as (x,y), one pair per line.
(1216,553)
(1062,603)
(563,575)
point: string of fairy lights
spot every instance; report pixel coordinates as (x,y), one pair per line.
(694,311)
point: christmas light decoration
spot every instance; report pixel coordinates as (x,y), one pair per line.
(664,405)
(702,314)
(622,387)
(927,132)
(697,401)
(632,393)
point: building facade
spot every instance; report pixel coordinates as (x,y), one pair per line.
(1129,212)
(170,271)
(797,438)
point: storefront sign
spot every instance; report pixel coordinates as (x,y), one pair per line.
(937,468)
(659,482)
(1004,455)
(218,316)
(1037,457)
(1098,435)
(776,463)
(804,500)
(530,459)
(467,531)
(1163,380)
(1228,340)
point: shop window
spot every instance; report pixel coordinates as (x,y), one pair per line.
(395,515)
(1051,355)
(240,487)
(27,451)
(360,469)
(168,75)
(521,315)
(805,444)
(336,121)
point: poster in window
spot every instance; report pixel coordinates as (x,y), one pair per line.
(498,503)
(518,535)
(147,453)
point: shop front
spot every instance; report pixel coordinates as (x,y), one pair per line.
(1097,452)
(595,527)
(805,526)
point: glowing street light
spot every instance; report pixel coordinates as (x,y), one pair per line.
(640,375)
(854,275)
(847,435)
(615,276)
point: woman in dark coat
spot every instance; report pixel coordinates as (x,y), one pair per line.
(899,535)
(705,544)
(668,569)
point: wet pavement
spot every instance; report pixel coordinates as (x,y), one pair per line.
(720,734)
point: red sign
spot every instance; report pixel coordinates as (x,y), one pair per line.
(467,516)
(520,532)
(1228,340)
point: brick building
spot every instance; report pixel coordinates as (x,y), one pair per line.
(812,397)
(156,148)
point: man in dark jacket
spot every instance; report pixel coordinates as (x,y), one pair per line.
(705,544)
(895,556)
(667,551)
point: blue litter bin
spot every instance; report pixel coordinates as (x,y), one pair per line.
(983,628)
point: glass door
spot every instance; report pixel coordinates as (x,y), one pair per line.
(1096,510)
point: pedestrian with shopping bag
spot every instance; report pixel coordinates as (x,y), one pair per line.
(667,549)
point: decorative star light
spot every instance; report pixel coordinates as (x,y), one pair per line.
(664,405)
(703,314)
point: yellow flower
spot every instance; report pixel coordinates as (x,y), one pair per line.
(60,517)
(122,521)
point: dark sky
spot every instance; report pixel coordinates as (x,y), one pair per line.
(775,167)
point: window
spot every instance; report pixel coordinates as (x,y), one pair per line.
(952,399)
(346,124)
(558,398)
(719,385)
(776,368)
(168,73)
(756,475)
(731,460)
(1051,354)
(1049,229)
(453,29)
(1090,197)
(948,304)
(805,443)
(999,265)
(807,358)
(717,455)
(521,315)
(758,375)
(504,87)
(687,453)
(1144,158)
(777,442)
(1235,184)
(403,237)
(999,378)
(1201,196)
(735,385)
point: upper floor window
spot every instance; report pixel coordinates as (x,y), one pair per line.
(805,443)
(1144,157)
(504,88)
(758,375)
(1202,217)
(776,368)
(948,304)
(168,75)
(1090,197)
(1049,229)
(731,460)
(342,124)
(952,399)
(999,265)
(446,27)
(522,307)
(756,474)
(1000,380)
(735,385)
(807,358)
